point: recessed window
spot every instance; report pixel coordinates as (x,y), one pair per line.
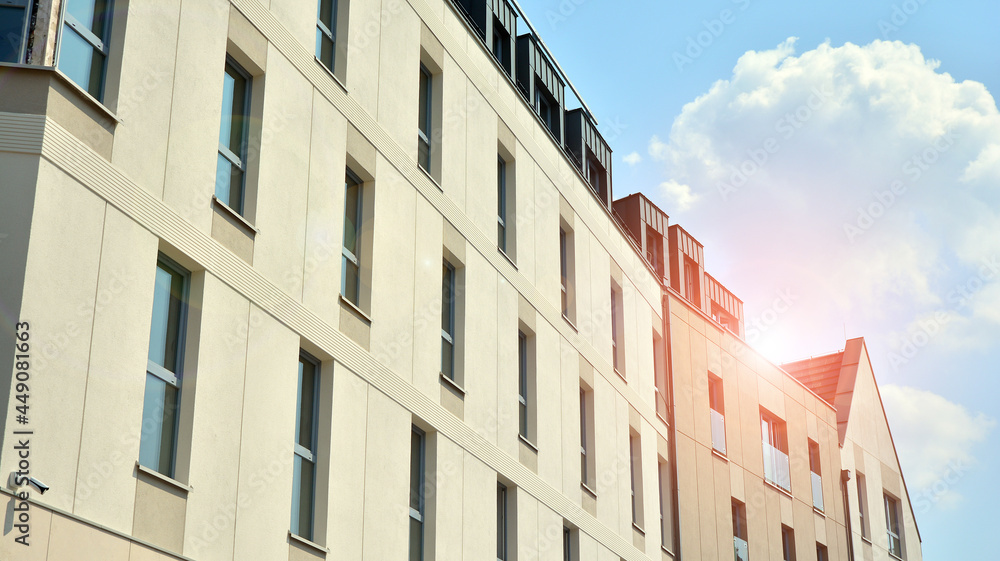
(14,16)
(817,475)
(326,32)
(775,441)
(161,403)
(350,283)
(501,204)
(83,48)
(567,273)
(526,384)
(740,531)
(569,552)
(863,505)
(448,298)
(617,335)
(425,116)
(417,497)
(502,523)
(635,463)
(717,413)
(588,462)
(597,176)
(893,530)
(821,553)
(304,458)
(664,479)
(692,288)
(787,544)
(230,178)
(660,376)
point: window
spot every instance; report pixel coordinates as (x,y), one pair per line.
(161,402)
(350,282)
(691,287)
(417,498)
(717,413)
(816,474)
(230,177)
(666,505)
(567,274)
(787,544)
(304,459)
(740,544)
(821,553)
(596,176)
(543,106)
(14,16)
(448,297)
(83,48)
(863,505)
(526,385)
(617,338)
(654,250)
(501,522)
(892,527)
(424,128)
(567,544)
(635,462)
(775,442)
(501,45)
(587,459)
(326,32)
(501,204)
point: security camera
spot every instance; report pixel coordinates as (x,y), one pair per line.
(41,487)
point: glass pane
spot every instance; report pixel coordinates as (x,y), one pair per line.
(523,419)
(351,281)
(234,98)
(416,467)
(423,118)
(325,12)
(303,479)
(718,431)
(424,154)
(11,33)
(501,523)
(228,90)
(817,489)
(501,236)
(324,48)
(164,332)
(90,13)
(305,411)
(223,179)
(76,57)
(156,441)
(447,359)
(447,299)
(352,214)
(416,540)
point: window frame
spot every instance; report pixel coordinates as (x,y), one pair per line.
(238,160)
(419,514)
(25,6)
(501,203)
(584,448)
(161,373)
(327,30)
(449,284)
(425,136)
(99,44)
(348,255)
(787,543)
(522,385)
(564,269)
(502,517)
(863,506)
(306,454)
(892,518)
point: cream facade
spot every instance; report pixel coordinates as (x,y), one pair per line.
(346,283)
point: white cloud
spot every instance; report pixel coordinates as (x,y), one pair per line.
(936,440)
(861,177)
(632,159)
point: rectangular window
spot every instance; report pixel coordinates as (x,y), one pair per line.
(787,544)
(501,204)
(544,108)
(617,337)
(596,176)
(587,459)
(567,544)
(654,250)
(350,282)
(892,527)
(501,46)
(821,553)
(660,376)
(448,320)
(326,32)
(424,129)
(161,402)
(417,498)
(666,505)
(816,474)
(717,413)
(230,176)
(524,386)
(83,46)
(740,544)
(565,253)
(635,463)
(863,505)
(501,522)
(775,443)
(304,459)
(14,16)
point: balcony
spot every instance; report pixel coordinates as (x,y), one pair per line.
(776,468)
(718,431)
(817,485)
(742,549)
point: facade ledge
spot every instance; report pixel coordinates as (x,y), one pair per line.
(819,512)
(570,323)
(638,528)
(622,376)
(223,208)
(452,384)
(664,549)
(309,544)
(722,456)
(779,489)
(354,308)
(428,175)
(153,474)
(508,258)
(866,540)
(586,489)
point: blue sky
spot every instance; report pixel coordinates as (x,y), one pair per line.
(847,153)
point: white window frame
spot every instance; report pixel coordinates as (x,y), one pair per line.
(100,44)
(25,5)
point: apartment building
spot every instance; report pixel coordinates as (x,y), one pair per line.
(220,353)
